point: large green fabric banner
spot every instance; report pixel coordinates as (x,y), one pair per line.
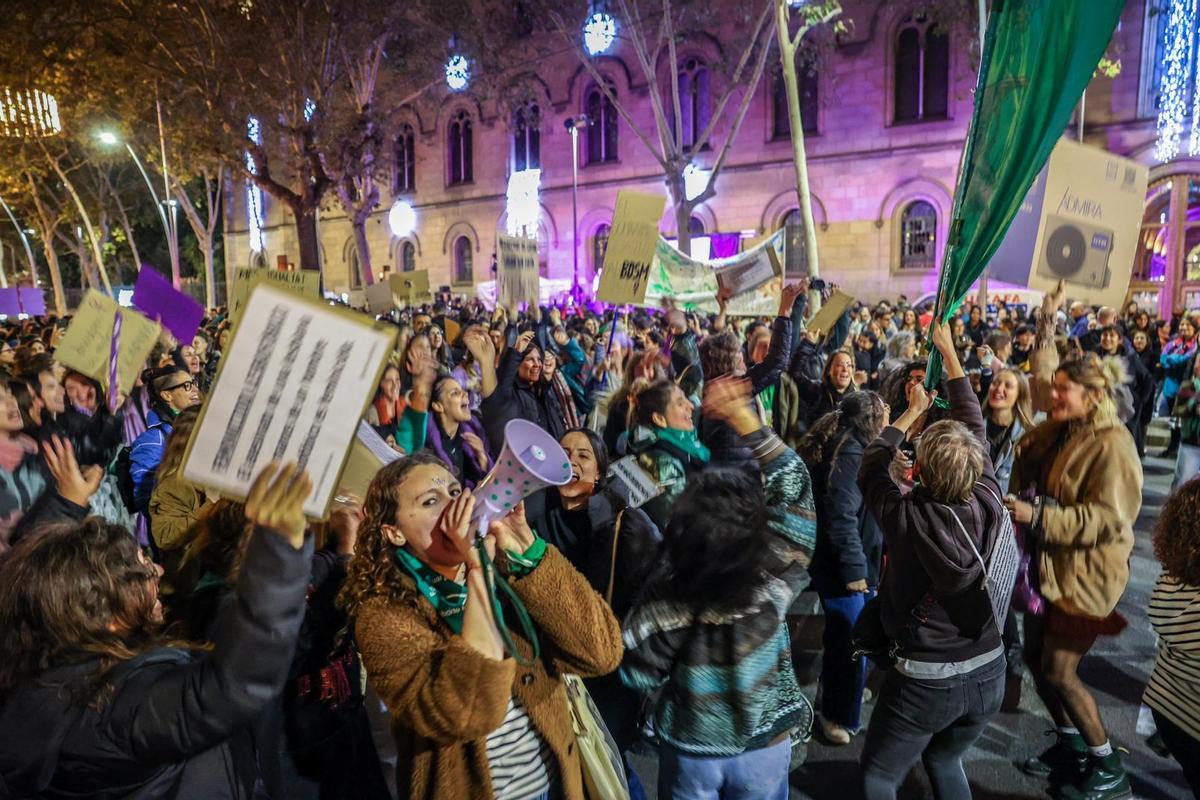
(1038,57)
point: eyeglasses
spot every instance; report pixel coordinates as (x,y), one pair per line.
(187,386)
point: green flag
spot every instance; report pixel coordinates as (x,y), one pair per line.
(1038,57)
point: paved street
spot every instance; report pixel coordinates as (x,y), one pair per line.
(1117,670)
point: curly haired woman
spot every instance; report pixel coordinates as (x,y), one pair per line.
(1173,693)
(1082,468)
(467,720)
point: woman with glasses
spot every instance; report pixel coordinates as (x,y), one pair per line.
(172,391)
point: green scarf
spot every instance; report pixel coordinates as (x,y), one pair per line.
(448,597)
(687,441)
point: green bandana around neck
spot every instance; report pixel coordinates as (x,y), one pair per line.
(687,441)
(447,597)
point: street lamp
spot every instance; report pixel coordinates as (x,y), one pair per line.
(574,125)
(168,208)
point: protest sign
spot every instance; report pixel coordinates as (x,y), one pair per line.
(368,454)
(831,311)
(517,278)
(10,301)
(293,386)
(154,296)
(633,483)
(379,298)
(693,283)
(399,290)
(303,282)
(631,243)
(33,301)
(1079,222)
(86,345)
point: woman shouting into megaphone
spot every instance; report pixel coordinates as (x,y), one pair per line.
(468,720)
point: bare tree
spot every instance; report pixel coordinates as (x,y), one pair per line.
(209,183)
(654,33)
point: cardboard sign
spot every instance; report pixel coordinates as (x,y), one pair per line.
(86,344)
(632,482)
(832,310)
(369,454)
(154,296)
(631,245)
(33,301)
(295,383)
(399,290)
(306,283)
(517,277)
(1079,222)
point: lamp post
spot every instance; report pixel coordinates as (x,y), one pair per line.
(167,208)
(574,125)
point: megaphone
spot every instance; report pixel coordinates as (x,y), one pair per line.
(531,460)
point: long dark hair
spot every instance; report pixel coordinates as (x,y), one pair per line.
(858,414)
(717,541)
(71,594)
(648,400)
(598,449)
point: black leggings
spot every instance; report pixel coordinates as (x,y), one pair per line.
(1184,747)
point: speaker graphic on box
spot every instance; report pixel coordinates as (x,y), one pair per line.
(1076,252)
(531,460)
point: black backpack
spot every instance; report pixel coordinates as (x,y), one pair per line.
(124,473)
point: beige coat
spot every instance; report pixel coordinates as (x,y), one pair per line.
(1090,479)
(445,697)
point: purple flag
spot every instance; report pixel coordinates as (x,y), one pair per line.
(154,296)
(33,301)
(9,302)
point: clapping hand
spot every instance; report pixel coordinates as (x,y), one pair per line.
(276,501)
(728,400)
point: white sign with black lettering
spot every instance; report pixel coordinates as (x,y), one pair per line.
(632,482)
(292,387)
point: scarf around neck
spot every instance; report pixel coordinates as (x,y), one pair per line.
(447,597)
(687,441)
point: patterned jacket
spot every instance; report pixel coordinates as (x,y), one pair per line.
(726,678)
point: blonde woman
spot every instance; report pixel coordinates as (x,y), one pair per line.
(1082,470)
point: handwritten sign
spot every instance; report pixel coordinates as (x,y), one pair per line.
(631,244)
(154,296)
(293,387)
(517,275)
(85,346)
(632,482)
(303,282)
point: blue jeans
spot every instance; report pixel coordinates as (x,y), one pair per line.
(842,675)
(1187,465)
(754,775)
(933,720)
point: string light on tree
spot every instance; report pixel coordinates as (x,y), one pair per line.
(599,32)
(26,113)
(1176,77)
(458,72)
(253,193)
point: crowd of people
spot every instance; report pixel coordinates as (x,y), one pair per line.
(159,641)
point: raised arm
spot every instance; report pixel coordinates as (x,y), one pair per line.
(174,709)
(964,405)
(481,348)
(767,373)
(1043,361)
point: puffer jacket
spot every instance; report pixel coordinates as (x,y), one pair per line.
(144,457)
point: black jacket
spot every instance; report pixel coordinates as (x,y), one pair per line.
(849,541)
(517,399)
(165,731)
(931,600)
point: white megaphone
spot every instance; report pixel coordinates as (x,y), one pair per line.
(531,460)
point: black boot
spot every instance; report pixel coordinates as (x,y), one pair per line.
(1173,448)
(1063,762)
(1104,779)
